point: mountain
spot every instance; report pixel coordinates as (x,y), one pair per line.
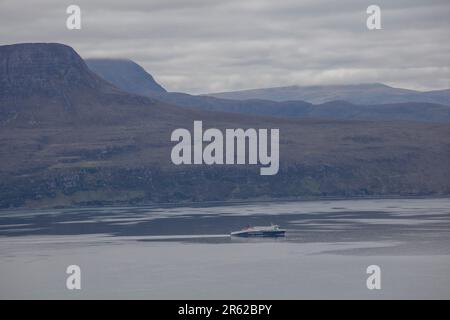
(48,84)
(365,94)
(70,138)
(125,74)
(333,110)
(410,111)
(44,69)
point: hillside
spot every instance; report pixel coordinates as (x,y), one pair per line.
(125,74)
(69,138)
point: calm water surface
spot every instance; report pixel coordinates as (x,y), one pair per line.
(186,252)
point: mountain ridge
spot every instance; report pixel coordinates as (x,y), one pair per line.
(364,93)
(392,111)
(73,139)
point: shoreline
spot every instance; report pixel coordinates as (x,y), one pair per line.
(228,202)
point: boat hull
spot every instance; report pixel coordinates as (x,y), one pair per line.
(248,234)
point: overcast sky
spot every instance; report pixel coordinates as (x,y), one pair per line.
(201,46)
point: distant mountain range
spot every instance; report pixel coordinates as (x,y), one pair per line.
(377,102)
(366,94)
(70,138)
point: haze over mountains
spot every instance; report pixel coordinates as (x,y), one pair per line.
(376,101)
(372,93)
(70,138)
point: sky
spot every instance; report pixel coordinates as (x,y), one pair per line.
(205,46)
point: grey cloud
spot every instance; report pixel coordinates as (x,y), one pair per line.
(203,46)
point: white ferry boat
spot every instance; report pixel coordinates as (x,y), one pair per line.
(270,231)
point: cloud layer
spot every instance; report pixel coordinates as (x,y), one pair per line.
(201,46)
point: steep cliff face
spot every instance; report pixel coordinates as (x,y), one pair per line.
(44,69)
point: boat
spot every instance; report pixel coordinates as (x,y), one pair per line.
(262,231)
